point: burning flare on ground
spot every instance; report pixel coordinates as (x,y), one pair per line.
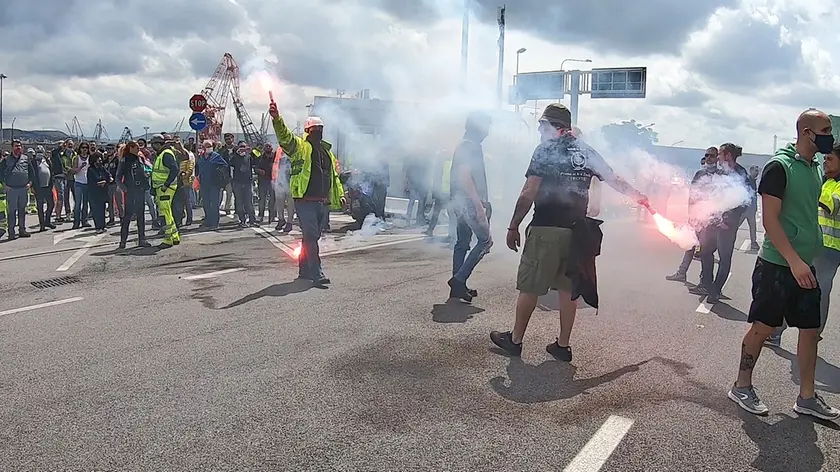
(296,252)
(682,236)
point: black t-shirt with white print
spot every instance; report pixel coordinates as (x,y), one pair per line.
(566,166)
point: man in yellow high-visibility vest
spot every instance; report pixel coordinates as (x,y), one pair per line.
(165,173)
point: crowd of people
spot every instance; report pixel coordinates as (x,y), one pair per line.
(84,182)
(791,283)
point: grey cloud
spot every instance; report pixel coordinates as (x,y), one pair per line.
(747,54)
(681,99)
(619,26)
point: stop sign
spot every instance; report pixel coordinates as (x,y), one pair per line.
(198,103)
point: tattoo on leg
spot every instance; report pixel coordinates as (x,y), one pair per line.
(747,359)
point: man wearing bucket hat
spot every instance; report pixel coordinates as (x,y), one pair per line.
(557,185)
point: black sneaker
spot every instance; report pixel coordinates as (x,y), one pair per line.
(676,277)
(144,244)
(473,293)
(24,234)
(713,298)
(505,341)
(459,290)
(122,245)
(698,290)
(559,352)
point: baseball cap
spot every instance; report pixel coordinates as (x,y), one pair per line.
(557,115)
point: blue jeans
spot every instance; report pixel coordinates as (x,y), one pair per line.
(464,260)
(211,198)
(80,209)
(311,216)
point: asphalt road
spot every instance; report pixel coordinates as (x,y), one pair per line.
(209,356)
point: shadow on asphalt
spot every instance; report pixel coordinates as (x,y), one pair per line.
(776,440)
(454,311)
(728,312)
(276,290)
(827,375)
(549,381)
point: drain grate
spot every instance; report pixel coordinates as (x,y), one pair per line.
(56,282)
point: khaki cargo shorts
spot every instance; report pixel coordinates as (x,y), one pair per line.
(544,259)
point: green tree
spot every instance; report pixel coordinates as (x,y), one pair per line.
(630,134)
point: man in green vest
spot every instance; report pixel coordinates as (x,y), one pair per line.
(165,173)
(314,185)
(785,287)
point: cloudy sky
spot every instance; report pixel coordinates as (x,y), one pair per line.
(718,70)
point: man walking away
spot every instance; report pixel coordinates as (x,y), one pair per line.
(44,189)
(784,283)
(285,205)
(721,233)
(265,189)
(751,211)
(17,173)
(242,164)
(471,204)
(557,184)
(133,180)
(314,185)
(699,192)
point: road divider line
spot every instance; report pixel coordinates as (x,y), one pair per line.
(275,241)
(211,275)
(40,305)
(78,254)
(595,453)
(704,308)
(373,246)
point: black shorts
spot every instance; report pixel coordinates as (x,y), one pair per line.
(777,297)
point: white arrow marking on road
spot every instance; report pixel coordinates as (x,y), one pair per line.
(704,308)
(211,275)
(42,305)
(81,252)
(595,453)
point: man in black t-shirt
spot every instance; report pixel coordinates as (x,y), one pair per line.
(557,185)
(471,205)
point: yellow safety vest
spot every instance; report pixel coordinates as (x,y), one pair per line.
(447,172)
(830,220)
(160,173)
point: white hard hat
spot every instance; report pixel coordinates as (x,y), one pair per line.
(312,121)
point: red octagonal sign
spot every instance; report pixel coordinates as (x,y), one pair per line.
(198,103)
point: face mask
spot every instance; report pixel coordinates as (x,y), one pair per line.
(824,143)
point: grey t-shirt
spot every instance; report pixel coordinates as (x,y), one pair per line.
(43,169)
(471,155)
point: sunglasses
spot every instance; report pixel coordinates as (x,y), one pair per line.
(711,155)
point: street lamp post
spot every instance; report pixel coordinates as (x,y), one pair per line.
(2,78)
(12,129)
(146,136)
(520,51)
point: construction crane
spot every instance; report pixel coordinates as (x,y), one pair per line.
(126,136)
(224,84)
(74,129)
(216,92)
(264,122)
(178,126)
(98,132)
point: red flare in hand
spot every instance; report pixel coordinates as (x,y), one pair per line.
(682,236)
(297,251)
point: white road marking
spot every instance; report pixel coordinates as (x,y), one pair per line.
(211,275)
(372,246)
(595,453)
(78,254)
(41,305)
(745,246)
(704,308)
(276,242)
